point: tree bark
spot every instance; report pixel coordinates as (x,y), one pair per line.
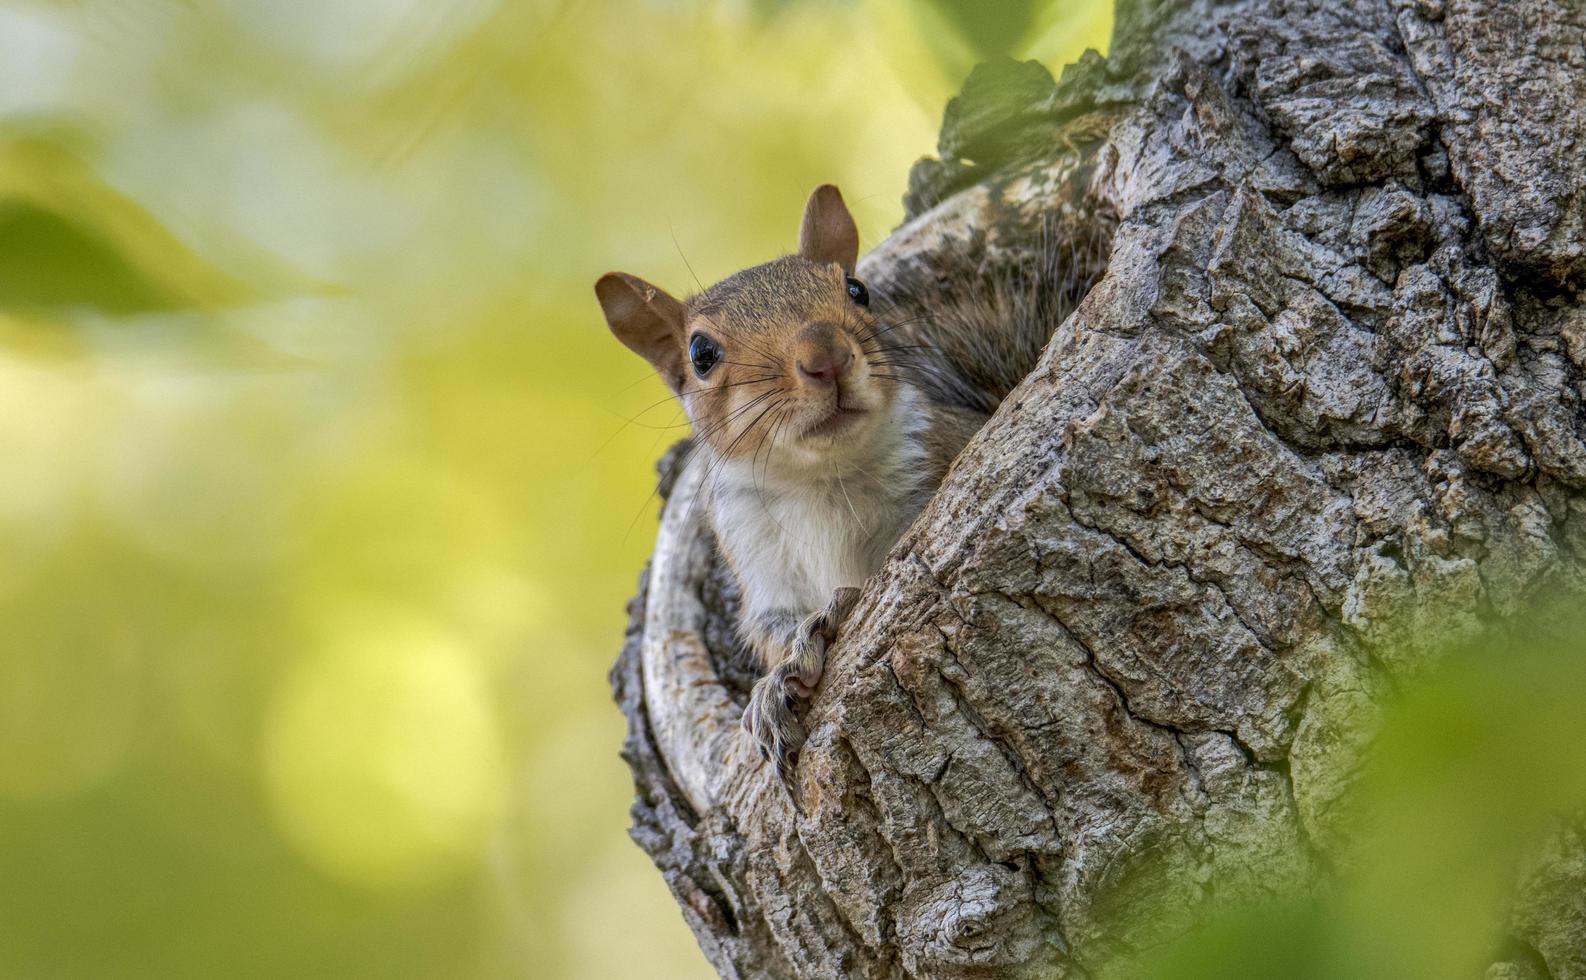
(1320,418)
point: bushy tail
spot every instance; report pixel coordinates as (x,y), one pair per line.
(969,343)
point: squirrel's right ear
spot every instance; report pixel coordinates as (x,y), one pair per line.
(647,320)
(829,233)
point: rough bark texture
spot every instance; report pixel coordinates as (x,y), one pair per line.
(1322,416)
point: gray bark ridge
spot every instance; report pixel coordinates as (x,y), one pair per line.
(1321,418)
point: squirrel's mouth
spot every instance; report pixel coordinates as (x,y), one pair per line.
(835,423)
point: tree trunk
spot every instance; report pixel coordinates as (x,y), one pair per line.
(1335,365)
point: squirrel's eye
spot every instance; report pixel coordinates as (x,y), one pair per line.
(857,292)
(704,353)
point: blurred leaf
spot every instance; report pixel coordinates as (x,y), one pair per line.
(934,44)
(65,215)
(52,263)
(993,30)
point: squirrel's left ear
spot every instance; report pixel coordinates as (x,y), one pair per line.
(828,233)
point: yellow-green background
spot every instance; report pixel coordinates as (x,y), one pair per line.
(318,499)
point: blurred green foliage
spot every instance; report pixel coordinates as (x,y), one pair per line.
(1472,783)
(319,500)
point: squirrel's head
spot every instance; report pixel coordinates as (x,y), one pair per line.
(780,362)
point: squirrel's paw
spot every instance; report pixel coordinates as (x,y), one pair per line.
(771,717)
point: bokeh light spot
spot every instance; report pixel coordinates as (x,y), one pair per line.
(382,756)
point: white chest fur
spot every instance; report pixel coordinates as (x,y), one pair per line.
(794,535)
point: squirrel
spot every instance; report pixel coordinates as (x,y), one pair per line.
(826,418)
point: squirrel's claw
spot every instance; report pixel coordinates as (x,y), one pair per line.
(830,619)
(773,723)
(843,602)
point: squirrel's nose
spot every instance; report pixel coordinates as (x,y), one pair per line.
(823,357)
(826,366)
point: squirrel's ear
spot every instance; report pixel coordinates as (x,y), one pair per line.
(828,233)
(647,320)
